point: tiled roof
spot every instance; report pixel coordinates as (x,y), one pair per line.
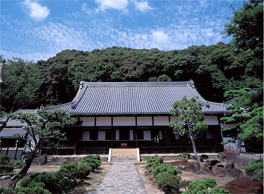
(10,132)
(15,123)
(132,98)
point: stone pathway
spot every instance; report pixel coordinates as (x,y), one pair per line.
(121,178)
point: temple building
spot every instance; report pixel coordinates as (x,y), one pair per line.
(134,115)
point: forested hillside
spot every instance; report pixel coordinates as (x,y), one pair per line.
(214,69)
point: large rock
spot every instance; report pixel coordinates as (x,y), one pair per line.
(192,166)
(218,169)
(230,154)
(237,173)
(205,167)
(181,167)
(242,161)
(211,162)
(42,159)
(193,157)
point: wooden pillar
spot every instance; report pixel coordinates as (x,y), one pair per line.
(94,131)
(136,133)
(112,132)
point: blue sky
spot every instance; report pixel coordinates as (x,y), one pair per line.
(38,29)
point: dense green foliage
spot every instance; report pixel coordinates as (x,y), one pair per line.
(257,166)
(184,156)
(73,170)
(246,27)
(203,186)
(168,183)
(153,161)
(217,68)
(246,115)
(165,174)
(43,128)
(17,163)
(169,168)
(190,112)
(6,168)
(4,160)
(93,161)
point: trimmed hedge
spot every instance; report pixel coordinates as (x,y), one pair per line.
(4,160)
(6,168)
(73,170)
(168,183)
(169,168)
(153,161)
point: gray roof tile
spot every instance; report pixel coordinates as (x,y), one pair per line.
(132,98)
(10,132)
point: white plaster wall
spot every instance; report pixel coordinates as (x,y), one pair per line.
(144,121)
(86,135)
(174,118)
(87,121)
(124,121)
(103,121)
(161,121)
(211,120)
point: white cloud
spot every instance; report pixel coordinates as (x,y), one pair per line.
(142,6)
(112,4)
(159,36)
(37,12)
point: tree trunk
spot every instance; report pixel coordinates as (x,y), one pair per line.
(193,145)
(21,174)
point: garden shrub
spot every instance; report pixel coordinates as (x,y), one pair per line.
(169,168)
(168,183)
(8,191)
(184,184)
(74,170)
(256,165)
(153,161)
(34,190)
(6,168)
(17,163)
(52,182)
(4,160)
(184,156)
(92,166)
(93,159)
(202,186)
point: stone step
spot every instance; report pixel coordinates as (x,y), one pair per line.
(123,155)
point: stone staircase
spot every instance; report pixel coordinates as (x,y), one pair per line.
(123,155)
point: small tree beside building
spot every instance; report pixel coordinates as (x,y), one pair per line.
(190,112)
(42,128)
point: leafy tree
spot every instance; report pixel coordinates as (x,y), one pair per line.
(256,165)
(246,27)
(41,128)
(242,104)
(252,130)
(190,112)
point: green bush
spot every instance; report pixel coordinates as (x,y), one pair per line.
(153,161)
(169,168)
(184,156)
(92,166)
(34,190)
(8,191)
(51,182)
(4,160)
(17,163)
(92,159)
(74,170)
(184,184)
(256,165)
(6,168)
(168,183)
(202,186)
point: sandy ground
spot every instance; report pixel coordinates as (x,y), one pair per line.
(151,184)
(87,186)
